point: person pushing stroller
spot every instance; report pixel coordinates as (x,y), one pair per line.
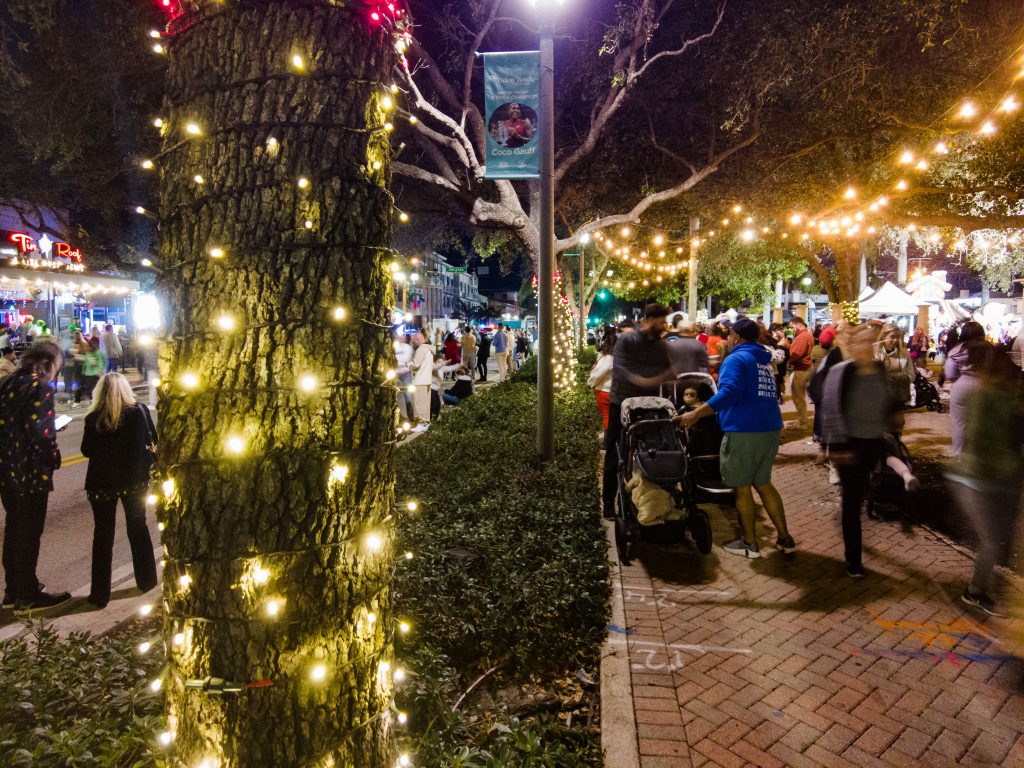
(748,410)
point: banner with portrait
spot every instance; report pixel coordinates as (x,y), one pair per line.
(511,107)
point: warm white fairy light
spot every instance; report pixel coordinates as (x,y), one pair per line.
(907,157)
(399,675)
(988,128)
(198,179)
(178,639)
(403,216)
(408,555)
(303,182)
(184,581)
(155,34)
(374,542)
(403,627)
(1009,104)
(260,575)
(158,122)
(387,102)
(216,252)
(144,647)
(339,474)
(193,129)
(225,322)
(308,383)
(941,148)
(308,224)
(748,235)
(272,608)
(158,48)
(297,62)
(189,380)
(377,165)
(404,761)
(922,165)
(901,185)
(338,313)
(412,506)
(156,684)
(402,718)
(168,486)
(850,194)
(152,499)
(318,673)
(145,610)
(235,445)
(147,165)
(967,110)
(165,738)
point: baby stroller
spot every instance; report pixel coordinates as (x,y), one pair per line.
(926,393)
(704,447)
(885,486)
(655,504)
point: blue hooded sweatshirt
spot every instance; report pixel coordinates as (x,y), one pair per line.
(747,400)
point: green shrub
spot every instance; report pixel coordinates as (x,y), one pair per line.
(78,701)
(511,568)
(527,371)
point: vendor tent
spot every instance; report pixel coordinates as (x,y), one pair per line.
(954,311)
(866,293)
(889,300)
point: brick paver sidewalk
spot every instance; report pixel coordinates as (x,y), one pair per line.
(786,661)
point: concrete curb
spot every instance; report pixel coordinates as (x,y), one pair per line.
(618,717)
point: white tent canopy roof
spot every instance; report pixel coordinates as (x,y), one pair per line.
(890,300)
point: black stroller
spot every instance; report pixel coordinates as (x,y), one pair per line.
(926,393)
(655,466)
(885,486)
(703,445)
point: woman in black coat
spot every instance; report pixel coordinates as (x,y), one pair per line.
(118,440)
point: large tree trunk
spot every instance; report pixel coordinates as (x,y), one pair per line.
(255,458)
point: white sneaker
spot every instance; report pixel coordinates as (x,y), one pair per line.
(420,428)
(833,475)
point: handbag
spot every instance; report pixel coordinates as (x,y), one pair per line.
(151,430)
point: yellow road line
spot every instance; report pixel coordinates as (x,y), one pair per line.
(74,456)
(64,464)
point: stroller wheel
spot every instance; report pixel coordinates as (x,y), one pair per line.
(933,407)
(700,529)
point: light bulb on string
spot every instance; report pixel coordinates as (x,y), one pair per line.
(216,252)
(226,322)
(165,738)
(339,474)
(272,608)
(297,62)
(907,157)
(193,129)
(941,148)
(158,122)
(987,129)
(156,684)
(922,165)
(374,542)
(967,110)
(155,34)
(338,313)
(147,165)
(144,647)
(308,383)
(1009,104)
(318,673)
(302,183)
(850,194)
(158,48)
(235,445)
(198,179)
(189,380)
(901,185)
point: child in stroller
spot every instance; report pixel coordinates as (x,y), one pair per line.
(654,500)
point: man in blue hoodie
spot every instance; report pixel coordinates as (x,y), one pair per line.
(747,406)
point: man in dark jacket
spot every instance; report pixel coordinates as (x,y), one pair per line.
(27,462)
(686,353)
(747,407)
(641,364)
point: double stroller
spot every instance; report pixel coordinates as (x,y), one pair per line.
(665,472)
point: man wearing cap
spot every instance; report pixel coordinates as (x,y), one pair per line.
(747,407)
(686,353)
(640,365)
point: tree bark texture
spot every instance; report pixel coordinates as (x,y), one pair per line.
(265,123)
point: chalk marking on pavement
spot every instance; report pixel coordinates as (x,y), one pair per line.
(649,650)
(681,590)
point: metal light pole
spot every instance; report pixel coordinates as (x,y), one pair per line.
(691,299)
(546,278)
(583,291)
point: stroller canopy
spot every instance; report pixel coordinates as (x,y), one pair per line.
(632,404)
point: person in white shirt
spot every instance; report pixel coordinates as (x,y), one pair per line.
(403,358)
(600,379)
(422,368)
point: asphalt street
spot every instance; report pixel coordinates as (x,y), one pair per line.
(66,552)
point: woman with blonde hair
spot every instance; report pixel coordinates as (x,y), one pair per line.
(119,441)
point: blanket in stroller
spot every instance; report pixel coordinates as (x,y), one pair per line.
(654,505)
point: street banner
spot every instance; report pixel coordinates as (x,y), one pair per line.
(511,106)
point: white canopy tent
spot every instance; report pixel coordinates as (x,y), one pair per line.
(890,300)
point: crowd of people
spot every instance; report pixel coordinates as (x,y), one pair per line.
(119,440)
(860,380)
(422,367)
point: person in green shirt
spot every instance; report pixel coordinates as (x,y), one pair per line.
(986,478)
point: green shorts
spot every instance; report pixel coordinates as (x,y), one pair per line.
(747,458)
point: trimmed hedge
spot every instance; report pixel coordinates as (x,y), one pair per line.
(510,574)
